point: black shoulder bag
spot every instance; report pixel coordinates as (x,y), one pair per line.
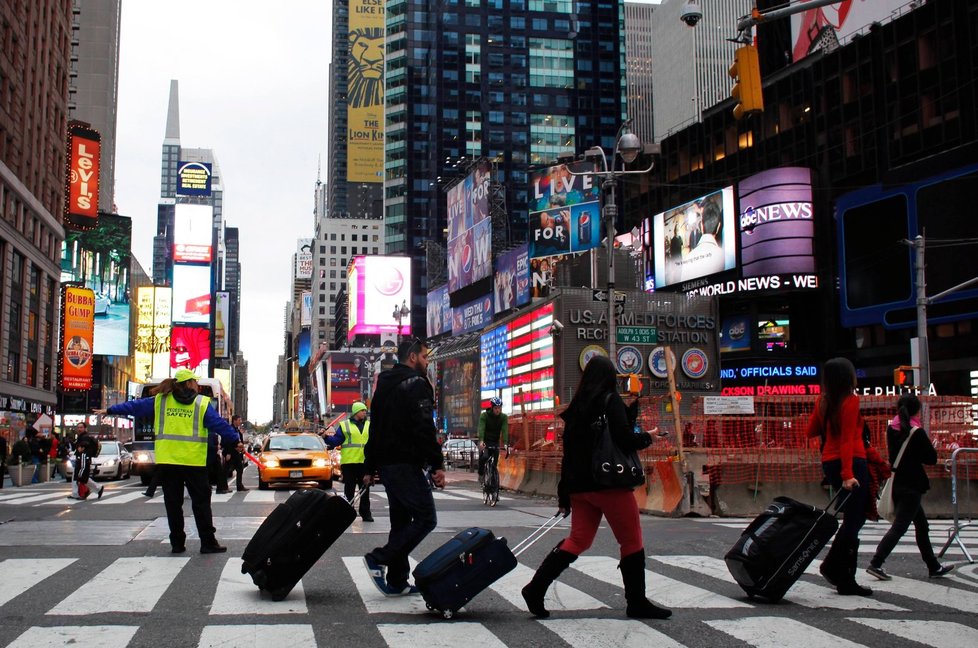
(612,467)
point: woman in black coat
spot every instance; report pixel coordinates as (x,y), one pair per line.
(587,502)
(909,485)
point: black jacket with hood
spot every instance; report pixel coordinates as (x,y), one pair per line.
(402,426)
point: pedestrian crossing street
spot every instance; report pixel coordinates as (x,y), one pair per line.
(587,603)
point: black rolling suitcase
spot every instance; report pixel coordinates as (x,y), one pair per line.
(293,537)
(777,547)
(474,559)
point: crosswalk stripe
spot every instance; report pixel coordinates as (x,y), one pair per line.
(777,632)
(120,499)
(20,574)
(13,496)
(283,634)
(938,634)
(373,600)
(127,585)
(259,497)
(221,497)
(593,633)
(35,499)
(559,597)
(662,589)
(441,495)
(59,636)
(237,594)
(929,592)
(440,635)
(802,592)
(476,496)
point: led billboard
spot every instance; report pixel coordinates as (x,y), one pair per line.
(190,348)
(193,231)
(365,92)
(776,224)
(152,332)
(518,360)
(303,259)
(193,178)
(473,316)
(82,178)
(191,294)
(469,229)
(221,319)
(77,335)
(377,286)
(565,210)
(439,312)
(825,27)
(512,280)
(100,259)
(695,240)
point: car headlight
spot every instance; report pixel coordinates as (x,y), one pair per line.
(142,457)
(271,463)
(108,463)
(320,463)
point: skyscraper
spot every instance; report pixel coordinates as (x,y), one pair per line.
(638,63)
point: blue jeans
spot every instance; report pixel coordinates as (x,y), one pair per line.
(854,509)
(37,470)
(412,511)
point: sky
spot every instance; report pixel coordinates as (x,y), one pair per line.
(253,84)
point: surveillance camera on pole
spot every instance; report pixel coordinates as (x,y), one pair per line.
(691,13)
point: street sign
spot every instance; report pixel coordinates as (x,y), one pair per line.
(602,296)
(636,335)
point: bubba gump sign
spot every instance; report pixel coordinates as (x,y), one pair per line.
(77,338)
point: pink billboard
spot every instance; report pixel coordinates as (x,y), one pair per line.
(377,286)
(825,27)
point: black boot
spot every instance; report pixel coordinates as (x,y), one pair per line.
(555,562)
(848,586)
(832,567)
(632,569)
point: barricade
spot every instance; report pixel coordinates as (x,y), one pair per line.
(954,534)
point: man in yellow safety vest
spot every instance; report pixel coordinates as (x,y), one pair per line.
(352,436)
(182,419)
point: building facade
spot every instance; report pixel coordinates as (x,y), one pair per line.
(638,65)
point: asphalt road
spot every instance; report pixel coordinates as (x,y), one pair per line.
(100,573)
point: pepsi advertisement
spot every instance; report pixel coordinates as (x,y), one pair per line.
(512,284)
(565,210)
(472,316)
(469,229)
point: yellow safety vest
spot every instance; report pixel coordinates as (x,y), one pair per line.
(353,442)
(181,437)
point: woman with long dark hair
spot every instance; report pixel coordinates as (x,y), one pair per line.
(586,501)
(837,421)
(909,485)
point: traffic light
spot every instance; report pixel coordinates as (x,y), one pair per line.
(746,70)
(634,384)
(899,377)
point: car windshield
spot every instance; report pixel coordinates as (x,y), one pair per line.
(295,443)
(109,448)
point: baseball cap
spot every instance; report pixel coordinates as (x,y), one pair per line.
(183,375)
(358,407)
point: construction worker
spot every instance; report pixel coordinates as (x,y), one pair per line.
(352,436)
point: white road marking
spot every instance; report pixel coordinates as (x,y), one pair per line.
(938,634)
(559,597)
(438,635)
(127,585)
(121,499)
(777,632)
(930,591)
(237,594)
(608,633)
(90,636)
(257,636)
(373,600)
(20,574)
(259,497)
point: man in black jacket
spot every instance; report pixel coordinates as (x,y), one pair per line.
(402,442)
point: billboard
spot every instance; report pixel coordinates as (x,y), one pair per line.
(825,27)
(305,309)
(190,348)
(152,346)
(542,276)
(512,280)
(191,294)
(472,316)
(518,360)
(439,312)
(469,229)
(100,259)
(695,239)
(81,181)
(193,232)
(458,394)
(377,285)
(193,178)
(77,337)
(776,223)
(303,259)
(365,92)
(565,210)
(221,318)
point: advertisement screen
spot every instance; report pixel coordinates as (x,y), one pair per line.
(193,178)
(439,312)
(78,317)
(365,92)
(542,276)
(100,259)
(190,348)
(193,229)
(303,259)
(469,229)
(191,294)
(152,345)
(475,315)
(826,27)
(518,360)
(381,284)
(695,240)
(221,319)
(305,313)
(512,284)
(459,394)
(81,192)
(776,223)
(565,210)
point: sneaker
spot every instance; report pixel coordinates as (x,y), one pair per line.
(100,489)
(940,571)
(879,573)
(400,590)
(376,571)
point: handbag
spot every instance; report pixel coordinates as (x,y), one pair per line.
(884,504)
(612,467)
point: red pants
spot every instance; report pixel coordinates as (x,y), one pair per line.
(621,511)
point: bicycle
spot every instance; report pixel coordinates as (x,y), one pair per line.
(490,486)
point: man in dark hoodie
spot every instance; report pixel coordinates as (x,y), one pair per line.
(402,442)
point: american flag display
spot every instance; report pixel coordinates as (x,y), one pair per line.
(518,361)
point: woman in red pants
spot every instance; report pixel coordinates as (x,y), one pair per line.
(587,502)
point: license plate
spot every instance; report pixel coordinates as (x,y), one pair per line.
(293,474)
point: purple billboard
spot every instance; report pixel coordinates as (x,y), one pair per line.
(472,316)
(469,229)
(439,312)
(512,284)
(776,224)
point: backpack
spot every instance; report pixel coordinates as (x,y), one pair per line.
(94,448)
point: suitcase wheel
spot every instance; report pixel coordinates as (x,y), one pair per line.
(430,609)
(447,614)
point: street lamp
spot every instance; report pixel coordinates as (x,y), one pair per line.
(400,312)
(627,146)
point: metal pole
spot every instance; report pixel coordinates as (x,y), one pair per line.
(922,347)
(610,214)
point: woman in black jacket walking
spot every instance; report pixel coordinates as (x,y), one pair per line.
(909,485)
(587,502)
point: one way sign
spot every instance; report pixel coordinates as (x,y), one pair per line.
(602,296)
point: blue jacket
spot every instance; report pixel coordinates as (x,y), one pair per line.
(144,408)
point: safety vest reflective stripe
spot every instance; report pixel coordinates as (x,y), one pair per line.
(179,441)
(354,440)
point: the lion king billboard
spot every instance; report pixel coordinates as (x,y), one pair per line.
(365,93)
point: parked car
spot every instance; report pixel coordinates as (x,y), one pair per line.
(460,453)
(295,458)
(102,303)
(113,461)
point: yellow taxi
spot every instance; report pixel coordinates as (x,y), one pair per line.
(294,458)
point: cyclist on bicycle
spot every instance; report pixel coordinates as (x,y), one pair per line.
(493,432)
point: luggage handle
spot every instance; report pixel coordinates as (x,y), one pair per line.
(356,496)
(538,533)
(835,501)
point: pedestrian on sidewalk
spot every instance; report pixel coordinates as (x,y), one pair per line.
(234,456)
(3,458)
(217,476)
(836,419)
(182,420)
(579,495)
(403,441)
(352,436)
(909,485)
(86,449)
